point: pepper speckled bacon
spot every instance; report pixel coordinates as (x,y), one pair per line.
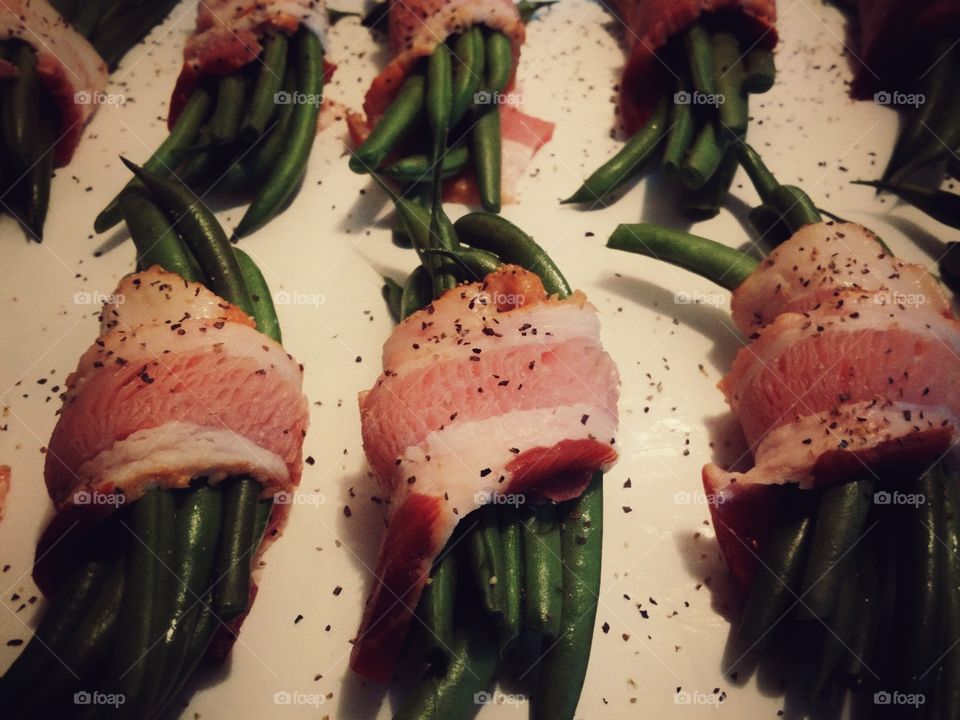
(495,388)
(651,23)
(71,71)
(179,385)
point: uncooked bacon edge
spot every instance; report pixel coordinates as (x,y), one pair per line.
(72,73)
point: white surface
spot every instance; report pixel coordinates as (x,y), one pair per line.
(660,558)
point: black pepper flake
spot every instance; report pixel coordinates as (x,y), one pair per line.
(485,472)
(584,418)
(627,509)
(605,627)
(309,460)
(337,590)
(347,511)
(297,619)
(16,642)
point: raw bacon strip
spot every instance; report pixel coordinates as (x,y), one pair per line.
(71,71)
(819,264)
(228,37)
(178,385)
(651,23)
(488,390)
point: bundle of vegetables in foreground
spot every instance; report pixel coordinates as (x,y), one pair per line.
(182,422)
(244,111)
(491,141)
(490,428)
(684,94)
(847,527)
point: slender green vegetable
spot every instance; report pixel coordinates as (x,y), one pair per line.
(116,35)
(263,101)
(392,293)
(487,156)
(838,526)
(278,187)
(951,670)
(167,155)
(21,109)
(682,129)
(499,58)
(730,80)
(543,597)
(436,608)
(862,643)
(417,292)
(38,178)
(264,312)
(626,163)
(469,50)
(84,21)
(705,201)
(399,118)
(156,241)
(696,40)
(485,552)
(512,245)
(475,264)
(759,71)
(225,121)
(795,207)
(840,628)
(512,578)
(527,8)
(418,168)
(706,154)
(202,632)
(232,568)
(941,205)
(564,666)
(723,265)
(438,101)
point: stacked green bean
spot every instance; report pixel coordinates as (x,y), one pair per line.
(701,117)
(249,133)
(480,64)
(876,585)
(114,26)
(509,570)
(155,581)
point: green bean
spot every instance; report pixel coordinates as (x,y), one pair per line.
(437,606)
(264,312)
(862,643)
(705,202)
(730,79)
(512,245)
(681,131)
(626,163)
(512,577)
(564,666)
(200,635)
(468,76)
(167,155)
(499,59)
(476,264)
(527,8)
(723,265)
(263,102)
(417,168)
(837,528)
(696,41)
(763,180)
(38,178)
(417,292)
(487,152)
(156,241)
(137,659)
(706,154)
(84,21)
(543,597)
(396,122)
(485,552)
(197,533)
(232,568)
(392,292)
(941,205)
(840,628)
(225,121)
(21,109)
(779,574)
(468,676)
(760,71)
(951,676)
(203,235)
(439,97)
(795,207)
(278,187)
(113,38)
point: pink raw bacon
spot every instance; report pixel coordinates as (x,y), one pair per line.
(71,71)
(492,389)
